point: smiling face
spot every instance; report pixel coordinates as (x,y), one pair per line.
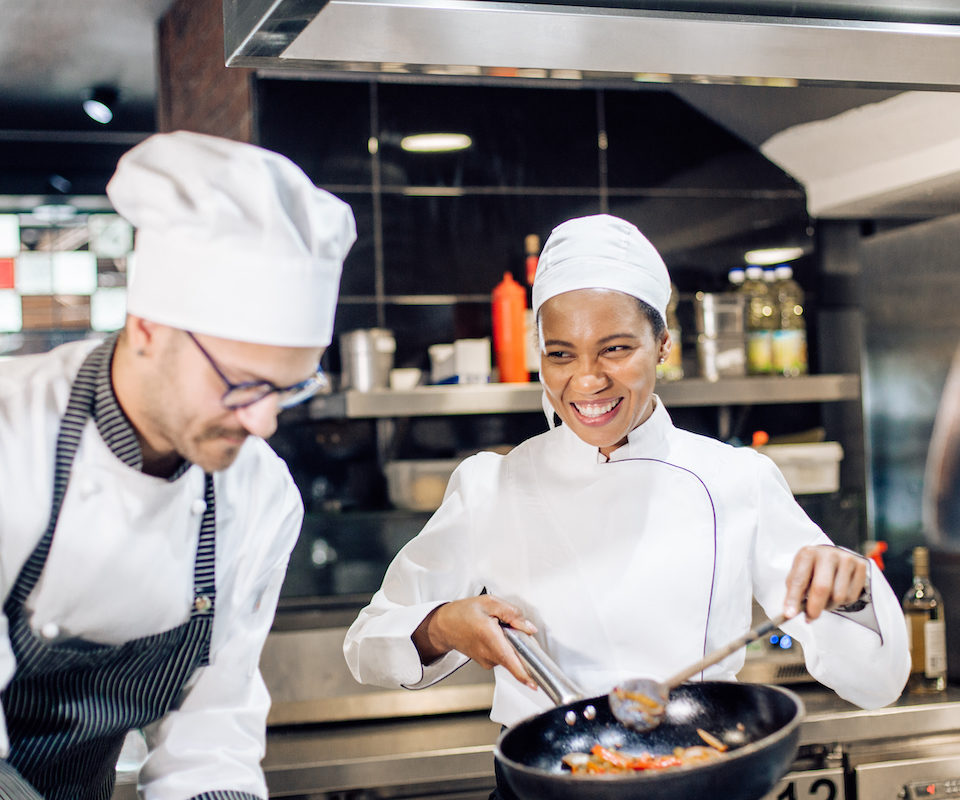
(599,363)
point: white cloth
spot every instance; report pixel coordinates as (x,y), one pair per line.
(613,563)
(232,240)
(121,567)
(601,252)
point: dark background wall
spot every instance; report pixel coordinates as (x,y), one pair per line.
(911,288)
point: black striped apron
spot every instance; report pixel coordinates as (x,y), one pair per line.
(70,704)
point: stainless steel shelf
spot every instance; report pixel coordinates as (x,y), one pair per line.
(506,398)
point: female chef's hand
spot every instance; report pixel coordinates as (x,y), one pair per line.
(472,627)
(824,575)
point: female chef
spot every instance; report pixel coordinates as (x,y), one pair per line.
(627,546)
(145,525)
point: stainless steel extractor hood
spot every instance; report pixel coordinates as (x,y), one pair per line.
(772,42)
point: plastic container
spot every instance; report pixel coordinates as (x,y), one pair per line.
(721,356)
(463,361)
(809,468)
(509,328)
(719,313)
(418,484)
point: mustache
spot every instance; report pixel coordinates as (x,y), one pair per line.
(220,432)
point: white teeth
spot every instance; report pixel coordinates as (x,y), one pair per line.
(596,409)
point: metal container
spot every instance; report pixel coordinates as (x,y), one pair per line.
(366,357)
(719,314)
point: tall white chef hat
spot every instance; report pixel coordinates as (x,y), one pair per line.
(232,240)
(601,252)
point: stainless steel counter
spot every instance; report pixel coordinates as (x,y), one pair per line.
(431,755)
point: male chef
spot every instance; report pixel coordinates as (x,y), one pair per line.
(145,526)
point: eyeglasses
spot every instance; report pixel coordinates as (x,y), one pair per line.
(241,395)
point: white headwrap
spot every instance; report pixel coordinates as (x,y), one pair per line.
(601,252)
(232,240)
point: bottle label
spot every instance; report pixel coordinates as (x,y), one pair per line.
(935,648)
(789,352)
(759,352)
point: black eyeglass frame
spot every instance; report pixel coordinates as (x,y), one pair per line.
(254,391)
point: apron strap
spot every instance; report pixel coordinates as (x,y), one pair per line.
(204,577)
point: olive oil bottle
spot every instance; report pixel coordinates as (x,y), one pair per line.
(923,609)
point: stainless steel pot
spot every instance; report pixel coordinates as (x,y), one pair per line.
(366,357)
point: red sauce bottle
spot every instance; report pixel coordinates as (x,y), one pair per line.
(509,305)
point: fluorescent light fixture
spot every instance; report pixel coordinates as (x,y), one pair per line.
(772,255)
(433,191)
(435,142)
(99,106)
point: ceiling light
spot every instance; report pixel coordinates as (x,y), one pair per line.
(54,213)
(772,255)
(99,106)
(435,142)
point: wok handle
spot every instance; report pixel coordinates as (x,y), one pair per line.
(718,655)
(543,669)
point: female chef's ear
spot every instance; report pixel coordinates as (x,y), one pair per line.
(665,344)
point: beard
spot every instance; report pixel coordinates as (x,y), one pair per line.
(215,448)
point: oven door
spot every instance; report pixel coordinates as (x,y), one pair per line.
(813,784)
(933,777)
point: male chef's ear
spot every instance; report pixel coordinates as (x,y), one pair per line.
(140,334)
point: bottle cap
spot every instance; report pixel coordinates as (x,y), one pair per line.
(921,561)
(784,272)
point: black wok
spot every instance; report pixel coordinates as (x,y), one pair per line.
(759,724)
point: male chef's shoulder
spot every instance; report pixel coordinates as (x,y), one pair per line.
(34,390)
(41,381)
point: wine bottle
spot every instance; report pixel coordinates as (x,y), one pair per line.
(923,609)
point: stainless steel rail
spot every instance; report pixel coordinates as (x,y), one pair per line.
(502,398)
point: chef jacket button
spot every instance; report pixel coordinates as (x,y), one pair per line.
(202,603)
(89,488)
(198,506)
(50,630)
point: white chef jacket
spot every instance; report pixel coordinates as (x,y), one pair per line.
(121,567)
(637,567)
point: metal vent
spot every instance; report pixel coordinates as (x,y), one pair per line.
(851,42)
